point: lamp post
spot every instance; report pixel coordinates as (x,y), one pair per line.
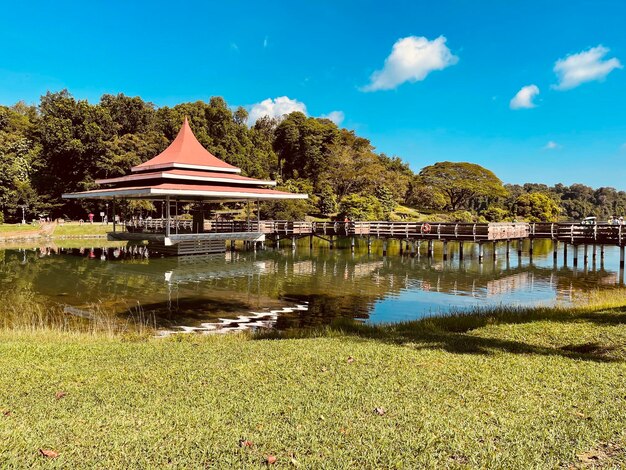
(23,207)
(106,214)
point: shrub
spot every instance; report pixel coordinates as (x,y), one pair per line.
(361,207)
(495,214)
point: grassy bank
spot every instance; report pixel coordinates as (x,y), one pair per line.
(72,229)
(531,388)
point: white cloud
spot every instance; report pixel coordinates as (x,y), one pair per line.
(524,97)
(585,66)
(336,116)
(275,108)
(278,107)
(552,145)
(411,60)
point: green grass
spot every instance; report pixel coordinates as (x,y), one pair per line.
(74,229)
(6,228)
(506,388)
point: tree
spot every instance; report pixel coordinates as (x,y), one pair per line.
(361,207)
(327,203)
(537,207)
(462,182)
(386,200)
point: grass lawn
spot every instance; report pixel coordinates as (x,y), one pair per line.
(538,388)
(73,229)
(7,228)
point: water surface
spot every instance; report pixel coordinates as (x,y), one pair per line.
(292,288)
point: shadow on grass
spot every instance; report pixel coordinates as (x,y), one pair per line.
(452,332)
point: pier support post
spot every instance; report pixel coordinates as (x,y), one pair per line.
(310,242)
(293,243)
(495,250)
(277,241)
(531,248)
(418,248)
(585,254)
(445,250)
(401,248)
(594,252)
(602,252)
(369,245)
(461,254)
(232,245)
(412,249)
(385,247)
(555,248)
(575,248)
(520,243)
(352,242)
(480,252)
(430,248)
(621,257)
(508,249)
(565,253)
(332,242)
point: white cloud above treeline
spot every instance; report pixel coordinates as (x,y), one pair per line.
(524,98)
(585,66)
(278,107)
(411,60)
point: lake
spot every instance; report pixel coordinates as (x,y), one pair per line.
(289,288)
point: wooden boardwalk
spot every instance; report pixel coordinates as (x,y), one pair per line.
(411,233)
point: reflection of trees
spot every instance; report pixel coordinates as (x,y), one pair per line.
(334,283)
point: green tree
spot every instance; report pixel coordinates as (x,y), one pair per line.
(462,182)
(537,207)
(386,200)
(327,203)
(362,207)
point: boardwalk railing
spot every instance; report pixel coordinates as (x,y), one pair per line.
(573,233)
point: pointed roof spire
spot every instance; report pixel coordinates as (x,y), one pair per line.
(186,152)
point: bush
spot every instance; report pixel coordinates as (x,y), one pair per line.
(495,214)
(361,207)
(294,209)
(462,217)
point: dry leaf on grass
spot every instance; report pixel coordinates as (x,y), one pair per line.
(379,411)
(350,360)
(270,459)
(245,443)
(51,454)
(60,395)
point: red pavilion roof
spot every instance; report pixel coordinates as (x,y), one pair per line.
(186,152)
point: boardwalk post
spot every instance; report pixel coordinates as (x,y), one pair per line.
(418,249)
(385,247)
(480,252)
(352,245)
(232,245)
(520,244)
(332,242)
(601,252)
(445,250)
(565,253)
(461,251)
(508,248)
(277,241)
(575,248)
(413,249)
(401,248)
(531,247)
(621,257)
(555,248)
(495,250)
(430,248)
(310,242)
(594,253)
(293,243)
(369,245)
(585,254)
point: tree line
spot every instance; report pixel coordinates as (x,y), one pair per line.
(63,145)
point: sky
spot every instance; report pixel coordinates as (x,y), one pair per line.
(533,90)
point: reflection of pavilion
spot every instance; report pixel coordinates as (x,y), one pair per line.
(185,172)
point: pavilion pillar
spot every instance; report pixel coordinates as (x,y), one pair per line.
(113,215)
(167,216)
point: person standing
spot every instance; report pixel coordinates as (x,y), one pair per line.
(91,217)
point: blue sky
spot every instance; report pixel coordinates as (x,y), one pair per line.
(443,94)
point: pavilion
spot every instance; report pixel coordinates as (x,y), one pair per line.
(185,172)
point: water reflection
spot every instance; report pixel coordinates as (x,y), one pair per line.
(265,286)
